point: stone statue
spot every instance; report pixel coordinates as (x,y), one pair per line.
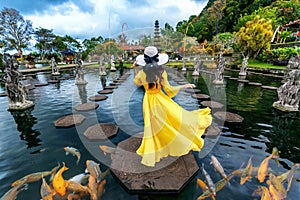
(102,67)
(196,66)
(289,92)
(183,64)
(219,75)
(54,67)
(16,91)
(79,73)
(244,67)
(112,63)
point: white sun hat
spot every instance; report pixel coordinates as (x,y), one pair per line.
(152,52)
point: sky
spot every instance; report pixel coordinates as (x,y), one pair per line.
(84,19)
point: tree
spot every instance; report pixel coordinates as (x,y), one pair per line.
(44,38)
(15,32)
(255,36)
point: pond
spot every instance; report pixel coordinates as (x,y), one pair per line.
(29,141)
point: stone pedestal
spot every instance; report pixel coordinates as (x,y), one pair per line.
(285,108)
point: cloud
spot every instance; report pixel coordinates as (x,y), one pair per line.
(93,18)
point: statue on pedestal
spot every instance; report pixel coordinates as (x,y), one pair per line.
(219,75)
(289,92)
(244,67)
(112,63)
(183,64)
(16,91)
(79,73)
(102,67)
(54,67)
(196,66)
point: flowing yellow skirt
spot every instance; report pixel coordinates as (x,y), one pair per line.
(169,129)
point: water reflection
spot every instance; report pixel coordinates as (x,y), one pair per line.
(82,92)
(25,121)
(103,81)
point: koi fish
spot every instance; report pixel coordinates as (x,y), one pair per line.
(246,173)
(107,149)
(202,184)
(93,188)
(210,183)
(77,187)
(80,178)
(13,192)
(100,188)
(289,175)
(263,168)
(275,195)
(45,191)
(94,169)
(74,152)
(219,185)
(265,194)
(274,181)
(218,166)
(59,183)
(34,177)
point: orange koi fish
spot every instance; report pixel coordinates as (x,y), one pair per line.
(94,169)
(107,149)
(202,184)
(34,177)
(59,183)
(263,168)
(246,173)
(45,191)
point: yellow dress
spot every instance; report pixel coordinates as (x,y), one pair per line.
(168,128)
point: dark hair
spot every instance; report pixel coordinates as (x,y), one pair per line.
(153,74)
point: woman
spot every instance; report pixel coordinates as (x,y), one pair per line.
(168,128)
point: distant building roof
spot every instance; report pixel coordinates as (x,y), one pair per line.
(68,51)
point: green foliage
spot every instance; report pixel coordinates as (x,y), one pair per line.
(1,63)
(279,54)
(255,36)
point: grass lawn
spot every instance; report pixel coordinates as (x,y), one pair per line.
(258,64)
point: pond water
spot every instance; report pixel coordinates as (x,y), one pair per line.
(29,141)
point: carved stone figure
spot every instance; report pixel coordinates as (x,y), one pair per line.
(183,64)
(219,75)
(289,92)
(79,73)
(196,66)
(16,91)
(244,67)
(112,63)
(102,67)
(54,67)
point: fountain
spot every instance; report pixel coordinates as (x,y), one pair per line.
(16,91)
(244,67)
(55,71)
(219,75)
(112,63)
(289,92)
(79,73)
(101,67)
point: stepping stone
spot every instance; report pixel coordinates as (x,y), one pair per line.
(169,176)
(232,78)
(254,83)
(212,104)
(53,81)
(41,84)
(111,87)
(97,98)
(269,87)
(190,90)
(228,117)
(182,82)
(105,91)
(212,132)
(101,131)
(200,96)
(69,121)
(86,107)
(226,76)
(112,84)
(3,94)
(118,81)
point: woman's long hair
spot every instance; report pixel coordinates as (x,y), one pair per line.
(153,74)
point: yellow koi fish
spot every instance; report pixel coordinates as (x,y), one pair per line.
(265,193)
(74,152)
(59,183)
(263,168)
(218,166)
(107,149)
(274,181)
(77,187)
(94,169)
(246,173)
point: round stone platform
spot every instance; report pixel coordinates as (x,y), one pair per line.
(170,175)
(212,132)
(3,94)
(110,87)
(101,131)
(86,107)
(200,96)
(254,83)
(69,121)
(269,87)
(228,117)
(105,91)
(212,104)
(98,98)
(41,84)
(53,81)
(190,90)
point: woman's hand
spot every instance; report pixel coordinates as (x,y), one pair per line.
(186,86)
